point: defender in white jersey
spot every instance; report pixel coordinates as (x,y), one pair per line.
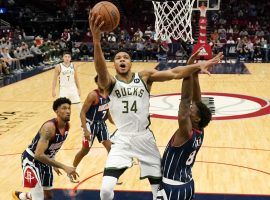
(129,107)
(69,86)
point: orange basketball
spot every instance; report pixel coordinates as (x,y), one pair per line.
(109,13)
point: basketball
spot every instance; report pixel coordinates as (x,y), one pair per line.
(109,13)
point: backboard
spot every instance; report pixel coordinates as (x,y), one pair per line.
(209,4)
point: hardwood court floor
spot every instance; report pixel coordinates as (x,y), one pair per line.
(234,157)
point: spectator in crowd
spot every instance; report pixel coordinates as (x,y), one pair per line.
(259,33)
(27,54)
(230,40)
(37,54)
(243,33)
(75,51)
(4,69)
(148,50)
(230,30)
(139,33)
(215,36)
(23,62)
(12,62)
(250,47)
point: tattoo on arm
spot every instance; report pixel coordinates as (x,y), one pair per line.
(47,134)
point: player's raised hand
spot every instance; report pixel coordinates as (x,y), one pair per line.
(95,23)
(205,66)
(58,172)
(194,56)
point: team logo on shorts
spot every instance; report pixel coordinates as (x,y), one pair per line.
(224,106)
(136,80)
(30,179)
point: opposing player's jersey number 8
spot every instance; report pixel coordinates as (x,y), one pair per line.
(191,158)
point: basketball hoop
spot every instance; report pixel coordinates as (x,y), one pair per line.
(173,19)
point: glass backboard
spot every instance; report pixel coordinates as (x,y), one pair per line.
(209,4)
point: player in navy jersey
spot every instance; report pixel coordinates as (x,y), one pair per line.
(94,113)
(180,153)
(38,159)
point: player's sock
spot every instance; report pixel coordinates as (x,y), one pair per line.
(108,184)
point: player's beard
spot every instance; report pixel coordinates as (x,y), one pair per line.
(67,119)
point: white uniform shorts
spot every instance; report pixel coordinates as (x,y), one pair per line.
(140,145)
(71,93)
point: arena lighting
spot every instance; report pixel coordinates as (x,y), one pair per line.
(3,10)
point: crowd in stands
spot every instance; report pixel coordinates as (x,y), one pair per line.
(243,24)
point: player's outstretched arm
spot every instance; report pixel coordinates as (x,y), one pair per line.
(54,82)
(197,96)
(184,121)
(183,71)
(90,100)
(196,86)
(46,133)
(175,73)
(105,79)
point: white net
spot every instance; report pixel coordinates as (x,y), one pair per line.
(173,19)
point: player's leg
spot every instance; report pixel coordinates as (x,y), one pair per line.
(37,193)
(146,150)
(83,152)
(109,181)
(103,135)
(75,99)
(110,177)
(36,190)
(118,161)
(47,182)
(63,92)
(86,145)
(31,179)
(107,144)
